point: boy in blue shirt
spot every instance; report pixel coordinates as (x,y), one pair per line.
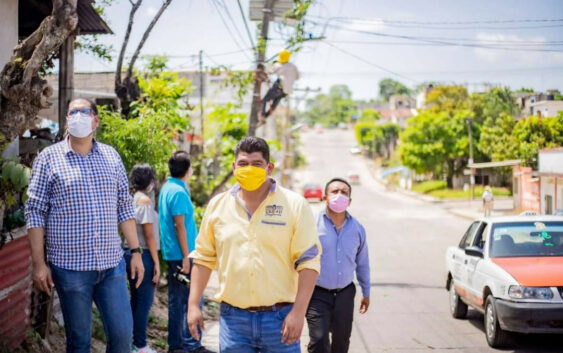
(177,238)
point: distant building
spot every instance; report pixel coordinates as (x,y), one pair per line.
(546,108)
(550,172)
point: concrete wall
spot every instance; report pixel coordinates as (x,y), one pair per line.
(551,161)
(8,29)
(547,108)
(551,193)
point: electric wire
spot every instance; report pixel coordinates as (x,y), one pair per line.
(439,41)
(228,28)
(369,62)
(246,25)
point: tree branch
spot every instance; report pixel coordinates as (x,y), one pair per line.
(219,186)
(145,36)
(134,7)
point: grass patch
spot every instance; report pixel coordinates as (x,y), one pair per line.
(460,194)
(426,187)
(438,189)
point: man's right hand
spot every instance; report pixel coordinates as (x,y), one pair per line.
(186,265)
(42,278)
(195,320)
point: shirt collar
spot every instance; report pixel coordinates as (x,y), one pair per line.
(178,182)
(323,212)
(67,149)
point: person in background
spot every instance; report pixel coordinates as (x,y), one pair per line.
(143,179)
(287,75)
(78,195)
(263,242)
(345,251)
(178,233)
(488,200)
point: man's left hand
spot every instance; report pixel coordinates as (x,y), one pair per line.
(364,305)
(292,327)
(137,269)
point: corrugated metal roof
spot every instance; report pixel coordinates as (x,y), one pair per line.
(15,291)
(89,22)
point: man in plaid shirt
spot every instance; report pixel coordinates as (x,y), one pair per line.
(78,194)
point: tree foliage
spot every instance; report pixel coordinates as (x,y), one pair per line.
(436,142)
(389,87)
(330,109)
(157,119)
(449,99)
(493,103)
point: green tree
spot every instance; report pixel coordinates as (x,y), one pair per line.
(493,103)
(369,116)
(389,87)
(534,133)
(330,109)
(447,99)
(157,118)
(436,142)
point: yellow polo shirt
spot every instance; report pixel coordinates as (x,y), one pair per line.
(258,257)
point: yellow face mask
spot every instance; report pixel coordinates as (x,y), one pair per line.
(250,177)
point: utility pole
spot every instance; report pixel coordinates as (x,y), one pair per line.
(286,150)
(472,176)
(201,99)
(261,52)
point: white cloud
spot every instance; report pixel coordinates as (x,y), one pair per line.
(530,56)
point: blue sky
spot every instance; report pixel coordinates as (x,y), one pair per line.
(367,40)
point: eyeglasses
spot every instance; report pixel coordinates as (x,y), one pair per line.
(86,111)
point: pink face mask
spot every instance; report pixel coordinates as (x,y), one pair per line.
(338,203)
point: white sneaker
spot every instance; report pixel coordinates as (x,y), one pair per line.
(146,349)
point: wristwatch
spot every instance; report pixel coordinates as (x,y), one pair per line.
(137,250)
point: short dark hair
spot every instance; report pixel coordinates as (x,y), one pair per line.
(340,180)
(251,144)
(179,164)
(141,176)
(93,105)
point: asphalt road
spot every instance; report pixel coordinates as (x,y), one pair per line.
(407,240)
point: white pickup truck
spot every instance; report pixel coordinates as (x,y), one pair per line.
(511,270)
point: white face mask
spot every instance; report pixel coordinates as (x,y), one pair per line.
(150,188)
(80,125)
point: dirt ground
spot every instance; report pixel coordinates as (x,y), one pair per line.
(157,330)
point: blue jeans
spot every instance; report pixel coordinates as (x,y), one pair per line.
(141,298)
(108,289)
(243,331)
(179,337)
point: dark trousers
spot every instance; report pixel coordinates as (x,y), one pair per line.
(330,312)
(275,94)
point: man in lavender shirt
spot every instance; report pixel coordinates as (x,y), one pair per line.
(343,238)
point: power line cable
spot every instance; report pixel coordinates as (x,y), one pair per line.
(246,25)
(228,12)
(339,18)
(438,41)
(369,62)
(228,28)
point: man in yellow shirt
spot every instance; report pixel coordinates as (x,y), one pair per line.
(262,239)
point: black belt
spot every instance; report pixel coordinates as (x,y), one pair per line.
(275,307)
(336,290)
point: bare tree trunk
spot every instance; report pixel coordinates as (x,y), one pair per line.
(122,88)
(127,90)
(23,92)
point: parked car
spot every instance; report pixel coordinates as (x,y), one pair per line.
(343,126)
(511,270)
(353,178)
(313,191)
(356,150)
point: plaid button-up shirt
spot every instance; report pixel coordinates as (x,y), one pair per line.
(79,201)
